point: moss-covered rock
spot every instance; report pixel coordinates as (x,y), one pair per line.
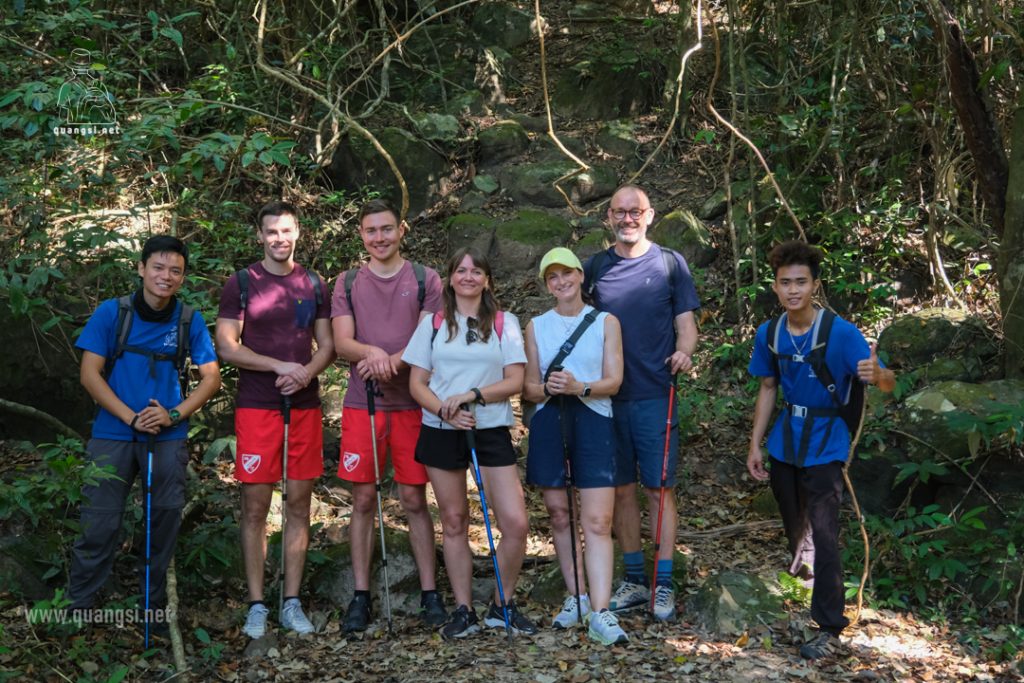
(533,183)
(617,138)
(501,142)
(613,81)
(468,103)
(439,127)
(917,339)
(545,149)
(687,234)
(591,243)
(522,241)
(332,579)
(470,230)
(764,505)
(732,602)
(499,23)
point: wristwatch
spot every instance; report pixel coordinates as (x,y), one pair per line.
(479,396)
(586,390)
(175,417)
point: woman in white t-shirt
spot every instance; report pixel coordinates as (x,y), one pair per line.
(465,364)
(573,423)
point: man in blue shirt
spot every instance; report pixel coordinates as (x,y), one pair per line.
(650,290)
(810,441)
(136,387)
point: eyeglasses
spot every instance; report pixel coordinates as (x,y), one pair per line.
(471,334)
(635,214)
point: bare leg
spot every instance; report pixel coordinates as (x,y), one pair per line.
(255,505)
(627,518)
(360,531)
(296,536)
(421,532)
(558,509)
(669,520)
(504,494)
(450,490)
(596,517)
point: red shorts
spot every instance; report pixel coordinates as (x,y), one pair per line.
(260,436)
(397,433)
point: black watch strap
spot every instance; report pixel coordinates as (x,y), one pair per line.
(479,396)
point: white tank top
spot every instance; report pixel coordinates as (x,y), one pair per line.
(586,362)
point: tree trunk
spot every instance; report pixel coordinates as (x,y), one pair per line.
(1011,254)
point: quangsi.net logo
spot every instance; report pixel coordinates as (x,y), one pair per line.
(86,107)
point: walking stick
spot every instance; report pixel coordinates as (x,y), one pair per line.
(150,445)
(570,485)
(664,482)
(286,413)
(371,391)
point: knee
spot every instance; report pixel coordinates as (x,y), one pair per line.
(559,518)
(515,526)
(364,500)
(298,507)
(598,524)
(454,523)
(625,496)
(254,515)
(414,500)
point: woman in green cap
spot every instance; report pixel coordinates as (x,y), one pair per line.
(574,366)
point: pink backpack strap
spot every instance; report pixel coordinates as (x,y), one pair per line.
(438,319)
(499,323)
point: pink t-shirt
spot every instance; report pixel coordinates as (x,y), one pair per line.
(278,322)
(386,313)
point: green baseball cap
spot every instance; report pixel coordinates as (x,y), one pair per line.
(559,256)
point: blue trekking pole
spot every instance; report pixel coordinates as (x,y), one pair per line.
(150,445)
(471,442)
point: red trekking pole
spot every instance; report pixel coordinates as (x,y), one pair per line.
(664,481)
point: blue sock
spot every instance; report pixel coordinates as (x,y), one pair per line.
(635,567)
(665,573)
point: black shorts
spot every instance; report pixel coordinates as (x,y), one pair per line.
(448,449)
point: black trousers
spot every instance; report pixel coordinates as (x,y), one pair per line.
(809,499)
(92,556)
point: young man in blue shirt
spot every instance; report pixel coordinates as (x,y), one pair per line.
(139,396)
(810,441)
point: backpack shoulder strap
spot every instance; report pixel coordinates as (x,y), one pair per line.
(822,330)
(184,335)
(122,328)
(421,282)
(349,280)
(318,291)
(243,287)
(774,326)
(436,321)
(671,267)
(499,323)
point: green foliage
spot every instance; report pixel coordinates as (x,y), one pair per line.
(1000,424)
(211,651)
(793,589)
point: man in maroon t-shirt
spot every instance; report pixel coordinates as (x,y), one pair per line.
(268,331)
(388,301)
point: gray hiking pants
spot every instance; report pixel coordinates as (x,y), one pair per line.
(103,509)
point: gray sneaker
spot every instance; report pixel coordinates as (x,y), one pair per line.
(629,595)
(567,618)
(664,603)
(256,621)
(604,628)
(294,619)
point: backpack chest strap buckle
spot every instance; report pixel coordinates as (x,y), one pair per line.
(798,411)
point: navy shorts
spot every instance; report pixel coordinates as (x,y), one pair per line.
(640,441)
(448,449)
(591,442)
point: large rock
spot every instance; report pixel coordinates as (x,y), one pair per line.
(333,579)
(915,340)
(618,83)
(545,149)
(470,230)
(357,164)
(442,128)
(469,103)
(448,58)
(522,241)
(501,142)
(501,24)
(617,138)
(533,183)
(731,602)
(687,234)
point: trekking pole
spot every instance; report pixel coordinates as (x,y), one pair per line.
(570,495)
(286,413)
(371,390)
(150,445)
(664,482)
(471,442)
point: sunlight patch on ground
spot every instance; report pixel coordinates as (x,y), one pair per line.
(903,645)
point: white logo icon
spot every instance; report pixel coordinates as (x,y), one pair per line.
(350,461)
(251,462)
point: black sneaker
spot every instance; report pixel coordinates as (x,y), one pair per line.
(432,610)
(461,623)
(520,624)
(357,618)
(824,644)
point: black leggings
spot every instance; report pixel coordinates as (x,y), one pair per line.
(809,499)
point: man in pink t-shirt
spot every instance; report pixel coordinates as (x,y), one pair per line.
(374,313)
(267,332)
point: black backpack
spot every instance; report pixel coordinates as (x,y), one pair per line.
(180,357)
(243,288)
(848,407)
(421,285)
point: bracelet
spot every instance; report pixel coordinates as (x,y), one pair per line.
(134,420)
(479,396)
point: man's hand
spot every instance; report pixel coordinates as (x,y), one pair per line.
(376,364)
(152,418)
(869,370)
(291,377)
(679,362)
(755,463)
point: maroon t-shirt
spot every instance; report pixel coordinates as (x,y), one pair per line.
(386,313)
(277,322)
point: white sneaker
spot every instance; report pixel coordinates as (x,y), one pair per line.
(294,619)
(629,595)
(664,603)
(568,618)
(256,621)
(604,628)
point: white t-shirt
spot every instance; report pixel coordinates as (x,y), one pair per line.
(456,367)
(585,362)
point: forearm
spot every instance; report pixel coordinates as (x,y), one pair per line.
(422,394)
(763,409)
(209,385)
(105,397)
(351,350)
(242,357)
(686,333)
(323,357)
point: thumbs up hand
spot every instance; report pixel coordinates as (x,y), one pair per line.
(869,370)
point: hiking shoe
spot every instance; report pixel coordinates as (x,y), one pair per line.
(604,628)
(520,624)
(461,623)
(357,617)
(256,621)
(822,645)
(294,619)
(568,618)
(629,595)
(432,610)
(664,603)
